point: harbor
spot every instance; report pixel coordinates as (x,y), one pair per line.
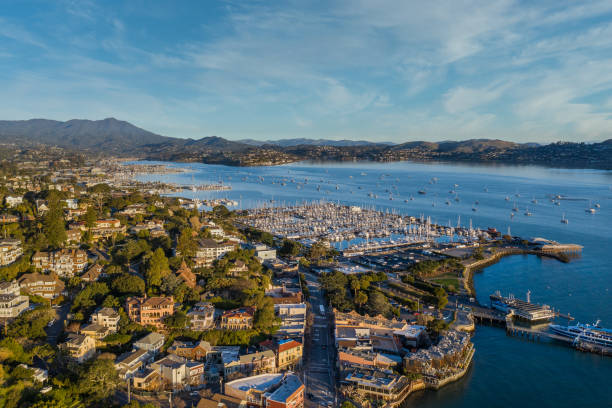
(533,322)
(576,284)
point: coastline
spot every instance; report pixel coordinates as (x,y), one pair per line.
(468,271)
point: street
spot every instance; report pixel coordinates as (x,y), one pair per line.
(319,366)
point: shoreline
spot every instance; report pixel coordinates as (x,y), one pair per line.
(468,272)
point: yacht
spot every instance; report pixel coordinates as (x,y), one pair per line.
(585,333)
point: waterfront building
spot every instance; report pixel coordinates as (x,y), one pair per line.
(64,262)
(378,385)
(237,319)
(350,358)
(150,311)
(442,359)
(10,251)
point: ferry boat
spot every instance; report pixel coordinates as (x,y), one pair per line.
(585,333)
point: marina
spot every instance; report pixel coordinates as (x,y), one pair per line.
(580,286)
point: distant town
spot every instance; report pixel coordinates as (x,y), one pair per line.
(113,293)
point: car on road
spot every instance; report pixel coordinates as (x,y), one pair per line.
(51,323)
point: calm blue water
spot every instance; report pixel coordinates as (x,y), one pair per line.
(506,371)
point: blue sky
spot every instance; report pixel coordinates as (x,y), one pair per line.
(378,70)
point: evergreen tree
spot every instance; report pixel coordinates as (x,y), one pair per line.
(157,268)
(54,226)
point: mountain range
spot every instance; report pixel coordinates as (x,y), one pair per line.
(120,138)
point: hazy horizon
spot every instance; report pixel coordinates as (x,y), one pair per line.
(380,72)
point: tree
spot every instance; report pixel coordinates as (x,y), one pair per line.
(361,299)
(126,283)
(90,217)
(157,268)
(378,303)
(90,296)
(441,297)
(99,379)
(355,285)
(178,320)
(290,248)
(186,244)
(54,223)
(265,319)
(221,211)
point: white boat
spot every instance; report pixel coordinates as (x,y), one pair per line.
(585,333)
(564,220)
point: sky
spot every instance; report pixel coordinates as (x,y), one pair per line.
(383,70)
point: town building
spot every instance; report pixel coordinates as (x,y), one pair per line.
(209,250)
(202,316)
(220,401)
(13,201)
(107,317)
(95,331)
(79,347)
(152,342)
(8,218)
(283,294)
(12,303)
(190,350)
(237,319)
(378,385)
(262,251)
(293,321)
(131,362)
(186,276)
(64,262)
(268,390)
(250,364)
(105,228)
(150,311)
(92,274)
(46,286)
(289,354)
(147,380)
(10,251)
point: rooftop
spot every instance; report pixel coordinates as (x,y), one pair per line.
(260,382)
(289,386)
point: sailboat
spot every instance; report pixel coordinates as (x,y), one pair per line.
(564,220)
(527,213)
(590,209)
